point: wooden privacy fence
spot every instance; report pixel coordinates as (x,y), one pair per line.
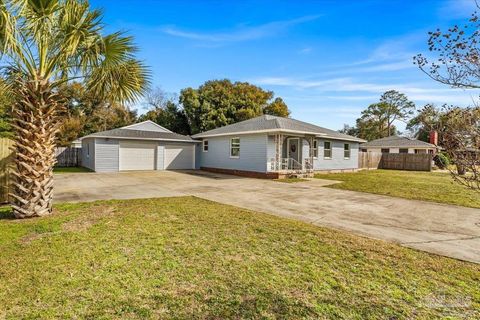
(395,161)
(66,157)
(6,156)
(369,160)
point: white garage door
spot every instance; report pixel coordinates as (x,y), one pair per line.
(179,157)
(137,155)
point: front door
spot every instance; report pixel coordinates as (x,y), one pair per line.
(294,148)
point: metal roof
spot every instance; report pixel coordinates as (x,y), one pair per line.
(268,123)
(397,142)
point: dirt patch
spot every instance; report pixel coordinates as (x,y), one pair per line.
(34,236)
(84,222)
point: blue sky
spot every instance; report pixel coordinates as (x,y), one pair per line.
(327,59)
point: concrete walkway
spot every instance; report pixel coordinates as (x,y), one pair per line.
(442,229)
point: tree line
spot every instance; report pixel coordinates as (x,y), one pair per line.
(214,104)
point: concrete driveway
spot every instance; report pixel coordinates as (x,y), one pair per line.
(442,229)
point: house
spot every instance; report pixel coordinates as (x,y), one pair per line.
(77,143)
(266,146)
(396,144)
(141,146)
(269,146)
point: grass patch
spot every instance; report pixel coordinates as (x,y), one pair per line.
(71,170)
(290,180)
(428,186)
(191,258)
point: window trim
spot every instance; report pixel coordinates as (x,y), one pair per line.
(315,149)
(331,150)
(349,149)
(231,148)
(205,145)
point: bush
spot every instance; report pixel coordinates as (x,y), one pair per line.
(441,160)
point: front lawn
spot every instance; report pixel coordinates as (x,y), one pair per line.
(71,170)
(189,258)
(428,186)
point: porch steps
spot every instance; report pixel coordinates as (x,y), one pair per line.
(299,175)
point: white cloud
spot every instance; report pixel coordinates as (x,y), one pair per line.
(306,50)
(454,9)
(243,33)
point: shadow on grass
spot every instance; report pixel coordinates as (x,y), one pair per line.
(6,213)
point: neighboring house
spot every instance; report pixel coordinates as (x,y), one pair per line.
(396,144)
(273,147)
(76,143)
(141,146)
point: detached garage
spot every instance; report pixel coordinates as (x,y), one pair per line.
(142,146)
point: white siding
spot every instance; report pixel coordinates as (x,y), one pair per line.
(253,153)
(147,126)
(160,157)
(106,155)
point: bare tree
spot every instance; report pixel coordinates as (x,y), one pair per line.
(456,62)
(461,140)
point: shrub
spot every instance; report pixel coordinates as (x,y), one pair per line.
(441,160)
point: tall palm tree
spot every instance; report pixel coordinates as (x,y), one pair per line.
(45,44)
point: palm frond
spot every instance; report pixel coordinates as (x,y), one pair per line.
(124,81)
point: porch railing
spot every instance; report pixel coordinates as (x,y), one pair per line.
(286,164)
(308,165)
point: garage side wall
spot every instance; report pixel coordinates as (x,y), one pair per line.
(253,153)
(106,155)
(88,153)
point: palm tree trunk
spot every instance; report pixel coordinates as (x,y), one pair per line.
(35,119)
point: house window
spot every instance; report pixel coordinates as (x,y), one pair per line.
(403,150)
(88,150)
(385,150)
(327,150)
(235,148)
(420,151)
(205,145)
(315,148)
(346,151)
(363,150)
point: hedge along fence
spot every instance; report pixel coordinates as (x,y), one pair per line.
(66,157)
(395,161)
(6,157)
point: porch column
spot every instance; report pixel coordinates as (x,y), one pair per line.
(311,151)
(278,151)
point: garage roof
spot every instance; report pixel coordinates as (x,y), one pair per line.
(122,133)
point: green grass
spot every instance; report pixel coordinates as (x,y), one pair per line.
(428,186)
(187,258)
(290,180)
(70,170)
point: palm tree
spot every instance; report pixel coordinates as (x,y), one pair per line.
(43,45)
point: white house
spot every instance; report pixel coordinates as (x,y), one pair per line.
(266,146)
